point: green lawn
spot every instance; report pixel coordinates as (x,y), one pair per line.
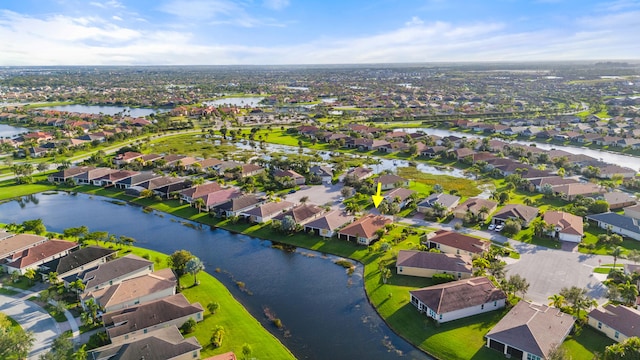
(9,189)
(586,343)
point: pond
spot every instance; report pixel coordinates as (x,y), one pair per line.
(324,310)
(606,156)
(8,131)
(106,109)
(251,101)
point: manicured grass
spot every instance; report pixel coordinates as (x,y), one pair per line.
(586,343)
(602,270)
(527,235)
(58,316)
(8,292)
(22,283)
(9,189)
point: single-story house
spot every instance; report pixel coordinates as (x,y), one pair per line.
(136,180)
(447,201)
(219,197)
(301,214)
(164,343)
(427,264)
(139,290)
(458,299)
(632,211)
(475,207)
(327,225)
(390,181)
(539,184)
(618,224)
(523,213)
(360,173)
(127,158)
(324,172)
(530,331)
(165,185)
(265,212)
(16,244)
(570,191)
(115,271)
(197,191)
(175,310)
(363,230)
(87,177)
(400,194)
(236,205)
(112,178)
(568,227)
(294,177)
(617,322)
(37,255)
(619,199)
(65,174)
(77,261)
(451,242)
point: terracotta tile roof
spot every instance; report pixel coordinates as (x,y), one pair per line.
(366,226)
(19,242)
(269,208)
(331,221)
(567,223)
(457,295)
(40,252)
(401,193)
(218,197)
(201,190)
(114,269)
(532,328)
(459,241)
(301,213)
(389,179)
(519,211)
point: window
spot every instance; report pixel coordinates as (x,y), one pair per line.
(136,302)
(495,303)
(458,252)
(195,354)
(617,334)
(126,337)
(400,269)
(199,316)
(144,331)
(482,307)
(532,357)
(599,325)
(440,316)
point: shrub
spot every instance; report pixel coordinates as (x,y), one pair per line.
(213,307)
(443,278)
(188,327)
(217,336)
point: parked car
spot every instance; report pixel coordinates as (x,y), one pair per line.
(491,227)
(499,227)
(292,191)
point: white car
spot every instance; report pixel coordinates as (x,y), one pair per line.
(491,227)
(499,227)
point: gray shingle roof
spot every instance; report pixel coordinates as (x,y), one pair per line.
(621,318)
(461,294)
(618,220)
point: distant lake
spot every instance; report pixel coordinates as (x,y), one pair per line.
(251,101)
(106,109)
(8,131)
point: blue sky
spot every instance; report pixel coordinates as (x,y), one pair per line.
(222,32)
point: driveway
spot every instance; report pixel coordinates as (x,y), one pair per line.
(32,318)
(318,194)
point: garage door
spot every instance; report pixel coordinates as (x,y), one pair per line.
(515,353)
(495,345)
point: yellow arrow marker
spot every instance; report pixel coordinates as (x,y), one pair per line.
(377,198)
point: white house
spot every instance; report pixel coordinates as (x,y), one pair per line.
(568,227)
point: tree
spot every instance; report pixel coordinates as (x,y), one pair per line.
(539,226)
(634,255)
(53,279)
(626,350)
(15,343)
(213,307)
(194,266)
(577,298)
(178,260)
(558,353)
(217,336)
(30,274)
(36,225)
(188,327)
(246,351)
(61,349)
(557,301)
(78,286)
(518,284)
(628,292)
(385,273)
(90,315)
(616,253)
(512,227)
(199,203)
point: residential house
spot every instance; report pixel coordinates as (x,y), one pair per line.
(139,290)
(401,195)
(76,262)
(363,230)
(632,212)
(293,177)
(542,183)
(112,178)
(619,199)
(87,177)
(65,174)
(198,191)
(480,208)
(608,171)
(115,271)
(570,191)
(427,264)
(567,227)
(37,255)
(458,299)
(209,164)
(530,331)
(327,225)
(246,170)
(236,205)
(451,242)
(149,159)
(523,213)
(136,180)
(265,212)
(165,185)
(433,151)
(324,172)
(164,343)
(617,322)
(301,214)
(446,201)
(390,181)
(617,224)
(174,310)
(127,158)
(13,244)
(360,173)
(211,200)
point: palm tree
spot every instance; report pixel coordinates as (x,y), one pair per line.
(557,300)
(616,252)
(53,279)
(199,204)
(352,207)
(628,292)
(194,266)
(30,274)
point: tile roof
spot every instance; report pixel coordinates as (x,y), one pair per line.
(443,199)
(432,260)
(532,328)
(201,190)
(301,213)
(457,295)
(331,221)
(124,321)
(18,242)
(269,208)
(366,226)
(388,179)
(621,318)
(459,241)
(40,252)
(114,269)
(568,223)
(401,193)
(523,212)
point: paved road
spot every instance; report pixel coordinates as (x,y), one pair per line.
(546,270)
(32,318)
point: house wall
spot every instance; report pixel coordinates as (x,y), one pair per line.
(570,237)
(607,330)
(143,299)
(422,272)
(119,279)
(621,205)
(620,231)
(177,322)
(457,314)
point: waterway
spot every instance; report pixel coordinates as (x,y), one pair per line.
(324,310)
(606,156)
(106,109)
(8,131)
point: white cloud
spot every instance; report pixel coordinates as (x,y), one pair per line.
(415,21)
(276,4)
(217,12)
(116,17)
